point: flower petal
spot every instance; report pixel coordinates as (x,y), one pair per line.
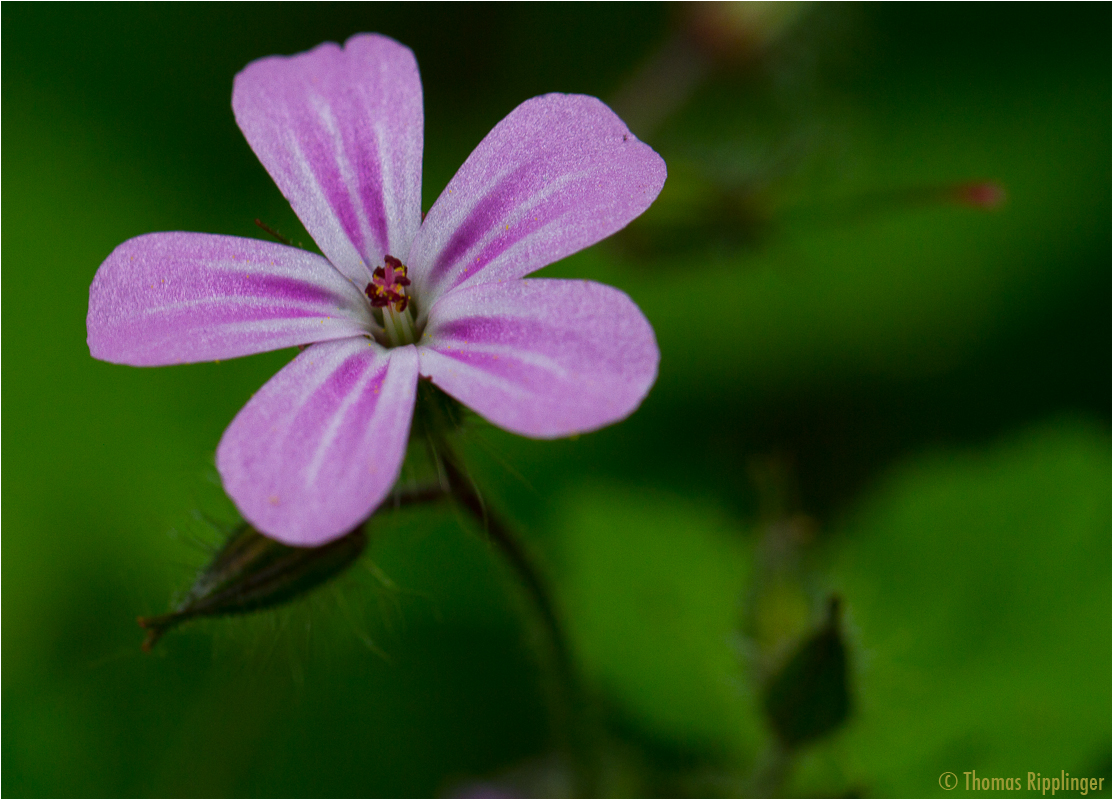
(559,173)
(340,131)
(542,358)
(169,298)
(320,445)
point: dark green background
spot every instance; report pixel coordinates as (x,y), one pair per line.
(919,389)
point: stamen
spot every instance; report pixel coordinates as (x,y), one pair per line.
(404,323)
(387,290)
(273,232)
(388,325)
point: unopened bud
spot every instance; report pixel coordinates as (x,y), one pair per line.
(810,697)
(252,573)
(734,30)
(986,195)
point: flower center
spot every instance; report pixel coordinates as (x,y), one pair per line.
(387,290)
(388,286)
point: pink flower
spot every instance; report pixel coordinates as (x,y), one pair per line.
(394,299)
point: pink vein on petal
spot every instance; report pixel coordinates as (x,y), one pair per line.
(320,445)
(340,131)
(167,298)
(539,357)
(559,173)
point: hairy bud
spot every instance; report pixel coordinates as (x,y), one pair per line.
(252,573)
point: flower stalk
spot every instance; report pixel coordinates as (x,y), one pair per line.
(437,418)
(464,492)
(570,716)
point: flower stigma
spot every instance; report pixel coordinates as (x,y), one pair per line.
(387,291)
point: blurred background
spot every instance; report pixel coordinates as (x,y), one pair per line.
(857,536)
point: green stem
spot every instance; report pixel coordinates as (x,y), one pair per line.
(571,708)
(462,489)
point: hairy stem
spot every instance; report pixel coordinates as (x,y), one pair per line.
(571,710)
(466,494)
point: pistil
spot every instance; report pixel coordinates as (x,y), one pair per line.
(387,291)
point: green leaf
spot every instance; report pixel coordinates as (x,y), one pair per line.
(651,588)
(977,593)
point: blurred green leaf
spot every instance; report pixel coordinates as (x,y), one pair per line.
(652,587)
(978,597)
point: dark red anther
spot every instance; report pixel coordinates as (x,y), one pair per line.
(387,286)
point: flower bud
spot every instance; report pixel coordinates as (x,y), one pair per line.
(810,697)
(251,573)
(731,31)
(986,195)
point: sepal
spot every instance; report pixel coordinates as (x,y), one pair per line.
(252,572)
